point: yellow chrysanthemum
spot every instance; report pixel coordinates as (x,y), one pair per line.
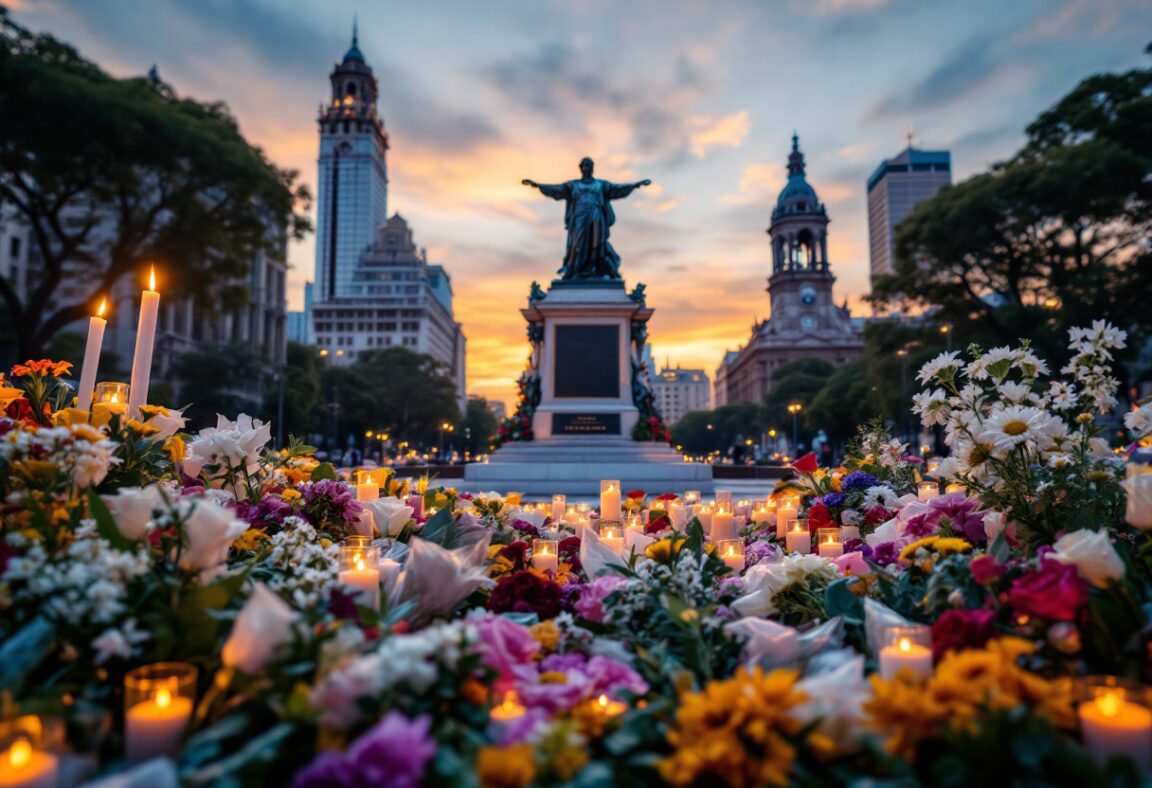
(738,731)
(665,549)
(291,494)
(547,634)
(506,767)
(175,448)
(251,541)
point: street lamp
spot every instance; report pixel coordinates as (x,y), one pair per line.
(946,330)
(775,443)
(794,408)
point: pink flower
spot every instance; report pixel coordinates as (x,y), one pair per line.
(852,563)
(591,602)
(1054,591)
(505,646)
(961,629)
(986,569)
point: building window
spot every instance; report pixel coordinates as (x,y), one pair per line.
(14,248)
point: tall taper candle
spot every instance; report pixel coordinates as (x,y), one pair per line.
(96,326)
(145,338)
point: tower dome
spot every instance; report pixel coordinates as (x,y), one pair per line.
(797,196)
(799,228)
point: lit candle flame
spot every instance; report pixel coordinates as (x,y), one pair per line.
(152,278)
(905,645)
(602,701)
(360,563)
(163,697)
(731,551)
(115,397)
(103,306)
(20,753)
(1110,701)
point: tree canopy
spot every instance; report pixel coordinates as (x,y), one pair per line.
(1055,236)
(112,174)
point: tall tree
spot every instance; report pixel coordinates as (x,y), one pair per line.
(480,425)
(795,381)
(111,174)
(1055,236)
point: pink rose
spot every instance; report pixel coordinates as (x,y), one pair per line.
(1054,591)
(505,646)
(986,569)
(592,596)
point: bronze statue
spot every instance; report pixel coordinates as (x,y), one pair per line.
(587,218)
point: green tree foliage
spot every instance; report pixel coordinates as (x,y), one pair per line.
(397,390)
(705,431)
(202,382)
(796,381)
(480,424)
(302,402)
(846,401)
(1054,237)
(112,174)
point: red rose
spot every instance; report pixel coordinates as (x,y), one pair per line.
(986,569)
(657,523)
(1054,591)
(525,592)
(819,517)
(516,552)
(806,464)
(961,629)
(19,410)
(877,515)
(636,494)
(667,497)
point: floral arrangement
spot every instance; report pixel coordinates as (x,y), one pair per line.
(494,645)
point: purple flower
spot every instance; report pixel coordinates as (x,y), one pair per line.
(270,512)
(834,500)
(329,503)
(525,527)
(762,550)
(886,552)
(591,602)
(955,510)
(858,480)
(506,647)
(585,679)
(393,753)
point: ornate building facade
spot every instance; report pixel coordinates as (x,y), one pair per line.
(374,287)
(805,321)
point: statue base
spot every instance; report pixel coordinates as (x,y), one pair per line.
(586,414)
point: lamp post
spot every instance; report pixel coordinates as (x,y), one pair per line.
(794,408)
(903,354)
(775,441)
(946,330)
(281,384)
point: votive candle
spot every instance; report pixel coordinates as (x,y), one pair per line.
(731,552)
(545,555)
(367,485)
(360,571)
(612,537)
(610,500)
(1113,723)
(786,512)
(828,542)
(158,703)
(926,491)
(906,646)
(723,526)
(23,761)
(558,503)
(798,539)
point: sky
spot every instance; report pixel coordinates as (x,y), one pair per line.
(700,97)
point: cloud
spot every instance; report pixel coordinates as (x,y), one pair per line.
(711,132)
(962,73)
(759,183)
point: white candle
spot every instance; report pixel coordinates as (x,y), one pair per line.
(96,326)
(612,537)
(558,502)
(145,339)
(389,574)
(798,538)
(679,514)
(364,579)
(705,518)
(830,549)
(762,515)
(732,554)
(610,500)
(905,653)
(23,766)
(367,491)
(785,514)
(926,491)
(722,524)
(544,555)
(1113,726)
(725,497)
(155,726)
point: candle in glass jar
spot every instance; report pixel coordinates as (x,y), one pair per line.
(926,491)
(158,703)
(145,339)
(785,513)
(360,571)
(907,647)
(1112,725)
(612,537)
(96,326)
(367,487)
(828,543)
(691,497)
(763,515)
(558,502)
(609,500)
(22,765)
(731,552)
(723,526)
(798,539)
(545,555)
(954,488)
(724,497)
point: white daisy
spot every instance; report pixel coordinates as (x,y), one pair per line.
(1139,421)
(1016,425)
(1062,396)
(944,367)
(932,407)
(995,364)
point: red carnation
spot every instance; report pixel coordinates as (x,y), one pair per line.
(1054,591)
(525,592)
(668,497)
(819,517)
(986,569)
(806,464)
(636,494)
(957,630)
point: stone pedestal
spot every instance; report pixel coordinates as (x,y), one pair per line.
(587,339)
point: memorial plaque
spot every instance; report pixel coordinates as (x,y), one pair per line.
(585,423)
(587,362)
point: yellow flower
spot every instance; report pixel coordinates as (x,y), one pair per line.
(941,545)
(506,767)
(291,494)
(68,417)
(512,499)
(738,731)
(547,634)
(568,761)
(251,541)
(175,448)
(553,677)
(665,549)
(84,432)
(141,427)
(690,615)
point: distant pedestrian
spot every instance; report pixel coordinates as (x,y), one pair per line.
(827,456)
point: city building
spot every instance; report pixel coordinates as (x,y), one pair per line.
(896,187)
(681,391)
(804,321)
(374,288)
(300,323)
(396,299)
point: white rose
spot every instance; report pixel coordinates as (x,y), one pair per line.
(389,514)
(1092,554)
(265,623)
(132,509)
(209,530)
(994,524)
(1139,511)
(167,423)
(89,469)
(228,444)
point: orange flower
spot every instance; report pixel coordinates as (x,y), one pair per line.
(41,367)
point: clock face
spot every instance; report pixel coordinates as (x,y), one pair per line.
(808,295)
(808,323)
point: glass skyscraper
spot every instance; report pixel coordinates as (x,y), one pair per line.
(895,188)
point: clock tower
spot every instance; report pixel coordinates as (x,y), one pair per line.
(804,321)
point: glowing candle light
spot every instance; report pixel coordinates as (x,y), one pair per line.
(558,502)
(545,555)
(508,710)
(1112,724)
(145,339)
(828,542)
(731,552)
(360,571)
(23,765)
(609,500)
(926,491)
(785,513)
(798,539)
(723,526)
(612,537)
(96,326)
(607,707)
(909,647)
(158,700)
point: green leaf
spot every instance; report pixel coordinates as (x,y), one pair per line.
(324,471)
(106,524)
(999,548)
(194,615)
(441,529)
(840,601)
